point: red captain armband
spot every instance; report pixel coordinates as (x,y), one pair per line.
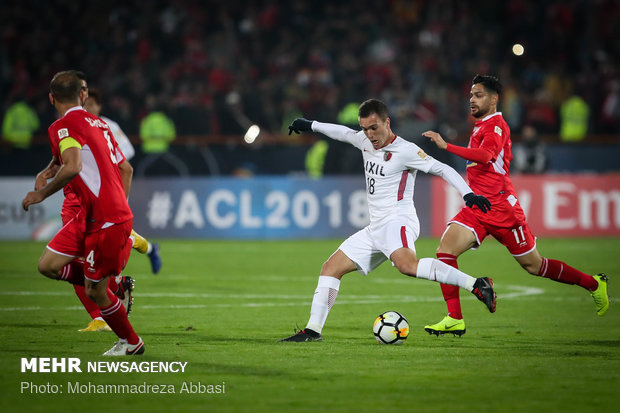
(479,155)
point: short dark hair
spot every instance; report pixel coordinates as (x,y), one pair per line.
(490,83)
(66,86)
(371,106)
(94,94)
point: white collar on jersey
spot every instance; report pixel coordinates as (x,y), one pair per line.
(74,108)
(491,115)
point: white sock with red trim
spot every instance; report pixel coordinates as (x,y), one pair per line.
(324,298)
(435,270)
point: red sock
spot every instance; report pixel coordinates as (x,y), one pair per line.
(88,304)
(116,317)
(451,292)
(558,271)
(73,273)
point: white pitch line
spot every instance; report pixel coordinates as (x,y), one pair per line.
(162,295)
(521,291)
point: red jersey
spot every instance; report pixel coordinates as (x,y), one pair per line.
(491,179)
(98,186)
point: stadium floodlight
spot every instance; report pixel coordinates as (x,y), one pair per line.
(518,49)
(251,134)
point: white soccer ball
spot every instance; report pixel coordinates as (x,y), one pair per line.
(391,327)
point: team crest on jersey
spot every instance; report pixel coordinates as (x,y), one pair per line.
(422,154)
(63,133)
(498,130)
(387,156)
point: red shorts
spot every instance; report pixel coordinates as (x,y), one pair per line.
(69,240)
(505,222)
(106,251)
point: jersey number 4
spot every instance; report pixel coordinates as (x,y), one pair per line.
(90,258)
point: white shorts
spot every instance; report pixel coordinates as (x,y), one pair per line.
(370,247)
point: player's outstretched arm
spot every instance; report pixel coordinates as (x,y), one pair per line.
(480,155)
(480,201)
(453,178)
(71,166)
(436,139)
(300,125)
(338,132)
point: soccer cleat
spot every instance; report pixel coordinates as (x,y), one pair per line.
(304,335)
(140,243)
(600,296)
(483,290)
(96,325)
(125,290)
(155,258)
(122,348)
(448,325)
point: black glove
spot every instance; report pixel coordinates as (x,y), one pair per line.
(300,125)
(481,202)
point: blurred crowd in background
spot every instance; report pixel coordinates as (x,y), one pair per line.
(217,67)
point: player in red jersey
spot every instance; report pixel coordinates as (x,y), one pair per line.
(121,285)
(488,158)
(88,158)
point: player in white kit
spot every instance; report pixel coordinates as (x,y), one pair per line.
(390,165)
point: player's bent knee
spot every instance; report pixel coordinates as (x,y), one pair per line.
(409,269)
(97,295)
(46,270)
(332,271)
(325,267)
(338,265)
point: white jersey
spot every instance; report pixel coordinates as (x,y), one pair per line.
(390,172)
(123,141)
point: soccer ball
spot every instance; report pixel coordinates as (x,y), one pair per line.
(391,328)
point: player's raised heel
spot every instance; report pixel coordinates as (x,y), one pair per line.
(483,290)
(303,335)
(448,325)
(600,296)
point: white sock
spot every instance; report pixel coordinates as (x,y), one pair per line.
(149,248)
(324,298)
(435,270)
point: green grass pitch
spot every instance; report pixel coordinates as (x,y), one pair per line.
(221,306)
